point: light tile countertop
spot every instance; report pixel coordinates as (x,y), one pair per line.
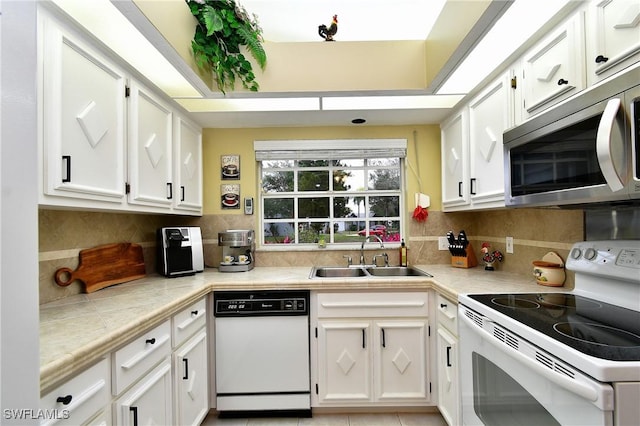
(77,331)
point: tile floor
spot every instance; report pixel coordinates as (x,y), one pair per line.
(382,419)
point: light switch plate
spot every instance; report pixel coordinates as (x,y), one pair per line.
(509,244)
(443,244)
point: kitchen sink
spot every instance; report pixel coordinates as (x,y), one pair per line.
(358,272)
(396,271)
(337,272)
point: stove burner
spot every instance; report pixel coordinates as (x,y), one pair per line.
(598,334)
(515,302)
(560,300)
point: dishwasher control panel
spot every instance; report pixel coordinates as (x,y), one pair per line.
(261,303)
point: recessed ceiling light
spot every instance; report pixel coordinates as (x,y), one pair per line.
(358,121)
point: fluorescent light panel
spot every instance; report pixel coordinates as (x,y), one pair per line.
(106,23)
(389,102)
(250,105)
(515,27)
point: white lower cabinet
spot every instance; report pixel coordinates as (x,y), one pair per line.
(190,365)
(447,359)
(371,348)
(148,402)
(80,400)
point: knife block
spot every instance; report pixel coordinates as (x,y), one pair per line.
(467,261)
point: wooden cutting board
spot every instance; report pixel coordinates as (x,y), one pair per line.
(105,265)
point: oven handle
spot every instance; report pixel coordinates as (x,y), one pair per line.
(604,144)
(581,389)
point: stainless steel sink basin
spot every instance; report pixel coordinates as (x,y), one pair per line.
(337,272)
(396,271)
(358,272)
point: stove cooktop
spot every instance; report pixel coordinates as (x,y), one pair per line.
(592,327)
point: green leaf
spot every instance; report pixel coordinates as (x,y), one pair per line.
(212,20)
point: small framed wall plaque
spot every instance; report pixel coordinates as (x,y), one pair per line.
(230,167)
(230,195)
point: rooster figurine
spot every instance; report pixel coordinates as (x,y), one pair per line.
(328,33)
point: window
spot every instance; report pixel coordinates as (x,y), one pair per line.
(335,196)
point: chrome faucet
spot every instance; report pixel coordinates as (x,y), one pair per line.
(363,243)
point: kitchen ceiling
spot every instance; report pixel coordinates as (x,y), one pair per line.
(358,20)
(289,22)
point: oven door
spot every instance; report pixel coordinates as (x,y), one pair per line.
(507,381)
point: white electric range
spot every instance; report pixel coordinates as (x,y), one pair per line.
(557,358)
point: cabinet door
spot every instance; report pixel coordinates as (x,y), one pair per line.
(612,37)
(150,149)
(448,393)
(83,110)
(344,361)
(488,118)
(149,401)
(553,69)
(191,381)
(454,134)
(188,175)
(400,360)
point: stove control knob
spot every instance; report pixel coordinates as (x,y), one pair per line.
(590,254)
(576,253)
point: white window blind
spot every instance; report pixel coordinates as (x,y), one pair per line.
(340,149)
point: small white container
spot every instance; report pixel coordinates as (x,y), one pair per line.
(550,270)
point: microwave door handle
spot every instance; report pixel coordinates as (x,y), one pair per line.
(604,144)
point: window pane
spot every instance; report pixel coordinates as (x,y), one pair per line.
(279,233)
(277,164)
(278,208)
(342,207)
(313,163)
(313,207)
(384,179)
(348,163)
(311,232)
(348,180)
(273,181)
(384,206)
(347,231)
(316,180)
(384,161)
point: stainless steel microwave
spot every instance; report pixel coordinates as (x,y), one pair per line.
(583,151)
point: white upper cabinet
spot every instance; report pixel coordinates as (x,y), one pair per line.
(489,116)
(472,151)
(554,68)
(83,118)
(455,160)
(188,167)
(150,149)
(612,36)
(101,149)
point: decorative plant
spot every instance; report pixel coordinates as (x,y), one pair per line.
(223,28)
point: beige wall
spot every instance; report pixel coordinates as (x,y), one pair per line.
(535,231)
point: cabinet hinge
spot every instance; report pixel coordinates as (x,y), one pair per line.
(514,82)
(316,389)
(127,188)
(127,91)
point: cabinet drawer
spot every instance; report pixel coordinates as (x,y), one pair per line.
(447,313)
(140,355)
(188,321)
(80,398)
(381,304)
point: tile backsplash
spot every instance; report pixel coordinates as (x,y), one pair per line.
(62,234)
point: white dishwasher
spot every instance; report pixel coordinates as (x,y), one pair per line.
(262,352)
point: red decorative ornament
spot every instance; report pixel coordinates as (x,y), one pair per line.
(420,214)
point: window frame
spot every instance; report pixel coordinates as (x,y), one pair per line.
(368,149)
